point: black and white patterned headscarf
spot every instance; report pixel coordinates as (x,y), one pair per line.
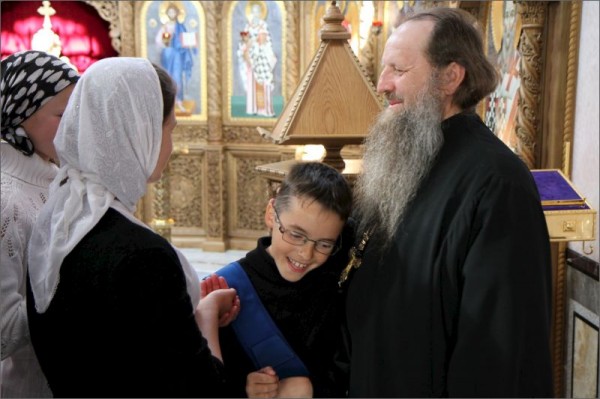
(29,80)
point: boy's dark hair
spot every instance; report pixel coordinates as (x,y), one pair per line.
(168,88)
(319,182)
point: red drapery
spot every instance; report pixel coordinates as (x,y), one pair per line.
(83,33)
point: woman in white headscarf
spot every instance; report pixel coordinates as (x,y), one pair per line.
(114,309)
(35,89)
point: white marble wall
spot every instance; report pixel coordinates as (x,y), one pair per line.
(585,167)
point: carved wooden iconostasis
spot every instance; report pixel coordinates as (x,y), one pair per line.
(211,197)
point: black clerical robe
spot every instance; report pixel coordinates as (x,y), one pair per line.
(460,303)
(121,323)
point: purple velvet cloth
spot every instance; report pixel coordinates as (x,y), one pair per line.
(553,186)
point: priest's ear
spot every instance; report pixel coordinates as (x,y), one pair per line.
(270,214)
(451,76)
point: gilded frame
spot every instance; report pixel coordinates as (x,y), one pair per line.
(109,11)
(234,87)
(148,22)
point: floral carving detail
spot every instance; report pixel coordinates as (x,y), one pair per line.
(251,192)
(212,11)
(109,11)
(190,133)
(530,48)
(532,12)
(243,134)
(186,182)
(215,201)
(161,204)
(292,10)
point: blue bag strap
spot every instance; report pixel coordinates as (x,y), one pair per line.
(256,331)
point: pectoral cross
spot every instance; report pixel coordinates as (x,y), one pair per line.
(356,254)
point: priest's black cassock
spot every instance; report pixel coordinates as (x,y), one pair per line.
(460,303)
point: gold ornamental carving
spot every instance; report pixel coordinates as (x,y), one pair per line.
(215,129)
(190,133)
(186,182)
(243,135)
(109,11)
(215,198)
(292,10)
(558,322)
(532,13)
(572,66)
(530,47)
(127,23)
(251,193)
(212,10)
(477,9)
(161,206)
(367,56)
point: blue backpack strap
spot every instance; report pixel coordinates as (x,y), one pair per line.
(256,331)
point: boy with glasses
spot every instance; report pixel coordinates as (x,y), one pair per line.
(294,272)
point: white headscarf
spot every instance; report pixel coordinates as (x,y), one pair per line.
(108,144)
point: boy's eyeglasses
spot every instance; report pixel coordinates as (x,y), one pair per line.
(324,247)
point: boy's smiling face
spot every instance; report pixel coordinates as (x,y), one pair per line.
(303,216)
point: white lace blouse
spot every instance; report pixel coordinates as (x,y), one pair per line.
(24,189)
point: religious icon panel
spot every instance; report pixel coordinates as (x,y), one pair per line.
(502,36)
(173,37)
(255,62)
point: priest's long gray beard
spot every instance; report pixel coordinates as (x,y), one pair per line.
(398,154)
